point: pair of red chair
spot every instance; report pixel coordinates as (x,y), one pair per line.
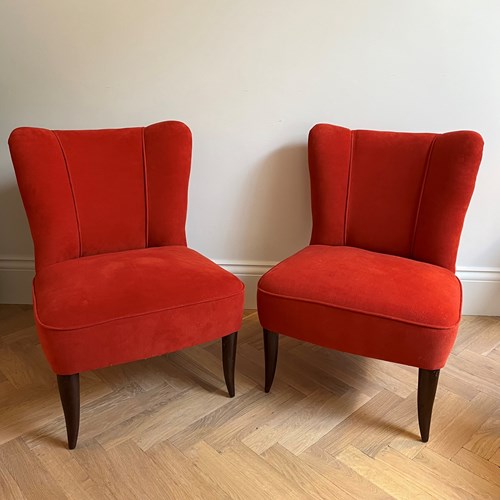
(115,281)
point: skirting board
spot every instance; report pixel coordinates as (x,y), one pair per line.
(481,286)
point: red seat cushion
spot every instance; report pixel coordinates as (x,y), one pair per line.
(112,308)
(365,303)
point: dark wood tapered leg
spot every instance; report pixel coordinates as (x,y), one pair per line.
(229,360)
(427,385)
(69,391)
(270,357)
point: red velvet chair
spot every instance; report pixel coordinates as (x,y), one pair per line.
(115,281)
(378,277)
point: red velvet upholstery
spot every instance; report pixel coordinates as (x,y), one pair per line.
(378,278)
(115,281)
(364,302)
(137,304)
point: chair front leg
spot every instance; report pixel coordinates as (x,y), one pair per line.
(228,360)
(271,341)
(427,385)
(69,391)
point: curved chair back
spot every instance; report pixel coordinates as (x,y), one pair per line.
(402,194)
(89,192)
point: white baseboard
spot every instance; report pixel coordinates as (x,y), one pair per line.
(16,275)
(481,288)
(481,285)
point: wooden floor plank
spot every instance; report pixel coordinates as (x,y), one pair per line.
(485,442)
(189,481)
(370,420)
(63,466)
(302,475)
(341,475)
(467,422)
(317,418)
(239,427)
(258,471)
(8,487)
(31,477)
(477,465)
(202,428)
(454,474)
(430,481)
(233,476)
(391,481)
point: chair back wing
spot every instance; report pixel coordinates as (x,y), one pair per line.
(402,194)
(88,192)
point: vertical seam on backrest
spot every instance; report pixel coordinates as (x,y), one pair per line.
(72,193)
(348,186)
(146,196)
(427,165)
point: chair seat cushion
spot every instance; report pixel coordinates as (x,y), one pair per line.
(365,303)
(112,308)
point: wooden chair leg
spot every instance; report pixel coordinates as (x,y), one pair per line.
(427,385)
(270,357)
(228,360)
(69,391)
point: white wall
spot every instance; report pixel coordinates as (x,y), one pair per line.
(250,77)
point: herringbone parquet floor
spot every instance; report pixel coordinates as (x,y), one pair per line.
(334,425)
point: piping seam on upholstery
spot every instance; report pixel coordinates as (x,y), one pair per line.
(146,196)
(427,165)
(118,318)
(72,193)
(348,186)
(366,313)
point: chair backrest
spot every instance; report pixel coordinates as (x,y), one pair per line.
(403,194)
(89,192)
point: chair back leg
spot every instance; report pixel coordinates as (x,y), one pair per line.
(228,360)
(271,341)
